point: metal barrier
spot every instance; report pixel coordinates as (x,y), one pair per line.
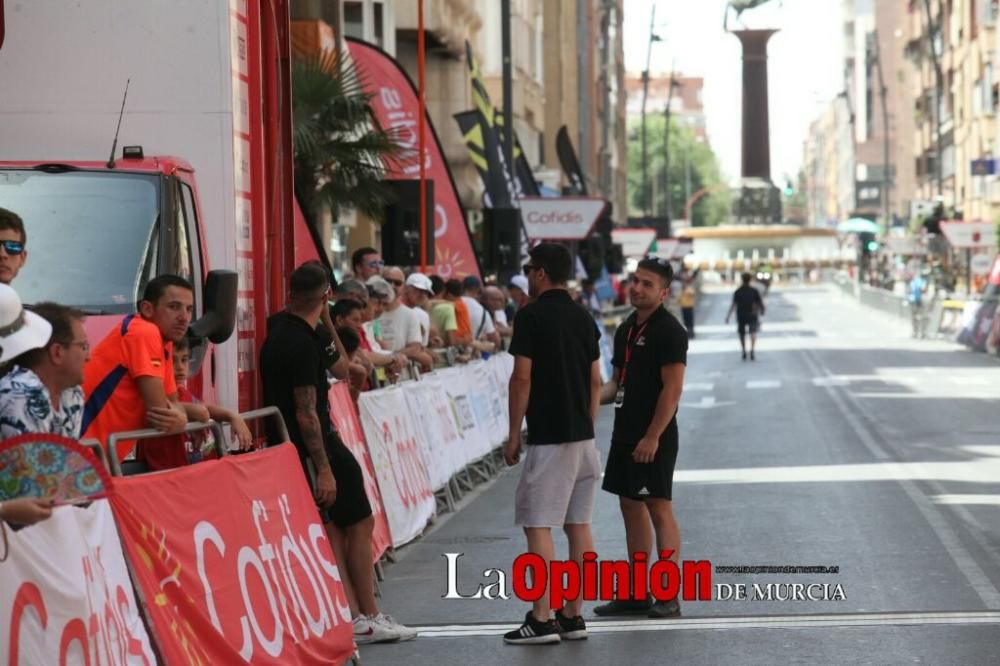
(269,413)
(138,466)
(98,450)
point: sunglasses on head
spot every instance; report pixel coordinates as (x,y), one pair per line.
(12,247)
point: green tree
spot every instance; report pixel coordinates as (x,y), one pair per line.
(341,154)
(711,209)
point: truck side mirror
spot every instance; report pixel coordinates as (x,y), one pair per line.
(219,318)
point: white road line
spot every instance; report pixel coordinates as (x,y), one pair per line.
(699,386)
(746,622)
(764,384)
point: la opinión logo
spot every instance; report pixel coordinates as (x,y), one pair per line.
(594,580)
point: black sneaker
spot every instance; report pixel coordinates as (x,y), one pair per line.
(744,356)
(624,607)
(571,628)
(665,609)
(752,358)
(533,632)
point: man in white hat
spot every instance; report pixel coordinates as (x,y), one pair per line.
(20,329)
(42,394)
(400,324)
(417,291)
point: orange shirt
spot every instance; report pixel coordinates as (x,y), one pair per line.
(114,403)
(462,318)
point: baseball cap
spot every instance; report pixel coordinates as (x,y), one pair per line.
(520,282)
(421,282)
(20,330)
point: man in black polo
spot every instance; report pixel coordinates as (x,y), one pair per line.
(650,356)
(748,306)
(293,363)
(556,384)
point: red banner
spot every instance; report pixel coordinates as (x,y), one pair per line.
(233,562)
(345,415)
(395,103)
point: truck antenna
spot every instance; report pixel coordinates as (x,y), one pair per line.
(114,144)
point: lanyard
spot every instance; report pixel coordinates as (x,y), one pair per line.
(629,343)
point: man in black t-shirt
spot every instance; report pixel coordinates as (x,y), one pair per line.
(649,361)
(293,363)
(556,384)
(749,307)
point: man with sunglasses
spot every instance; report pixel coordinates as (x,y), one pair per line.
(555,383)
(12,240)
(649,361)
(366,262)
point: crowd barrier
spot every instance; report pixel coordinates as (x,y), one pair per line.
(227,560)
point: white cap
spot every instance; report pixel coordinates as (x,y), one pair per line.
(520,282)
(20,329)
(421,282)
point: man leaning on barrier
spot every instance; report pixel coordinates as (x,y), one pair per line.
(293,372)
(129,380)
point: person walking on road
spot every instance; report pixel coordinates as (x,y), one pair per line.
(649,361)
(749,307)
(688,299)
(556,383)
(915,296)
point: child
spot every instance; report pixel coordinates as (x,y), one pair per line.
(188,448)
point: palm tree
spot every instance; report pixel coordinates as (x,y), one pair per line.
(342,155)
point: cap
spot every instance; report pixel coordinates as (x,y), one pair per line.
(472,282)
(421,282)
(20,330)
(520,282)
(381,287)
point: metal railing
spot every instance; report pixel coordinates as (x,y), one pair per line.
(269,413)
(138,466)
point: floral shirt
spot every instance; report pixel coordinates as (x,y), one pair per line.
(25,407)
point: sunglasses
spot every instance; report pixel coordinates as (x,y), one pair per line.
(12,247)
(376,264)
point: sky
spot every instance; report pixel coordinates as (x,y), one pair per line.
(805,66)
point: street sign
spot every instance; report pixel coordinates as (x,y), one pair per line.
(634,242)
(980,264)
(560,218)
(970,235)
(984,167)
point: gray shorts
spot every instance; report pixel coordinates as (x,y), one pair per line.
(557,484)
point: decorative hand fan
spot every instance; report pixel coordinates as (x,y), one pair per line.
(53,467)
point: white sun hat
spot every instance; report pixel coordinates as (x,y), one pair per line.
(20,330)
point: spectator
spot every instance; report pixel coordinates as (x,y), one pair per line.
(401,331)
(352,289)
(293,371)
(349,312)
(519,292)
(380,295)
(495,302)
(42,393)
(129,381)
(350,343)
(188,448)
(366,262)
(588,296)
(395,276)
(12,245)
(453,294)
(444,322)
(416,293)
(482,322)
(25,510)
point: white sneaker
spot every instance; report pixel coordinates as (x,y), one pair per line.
(402,632)
(368,630)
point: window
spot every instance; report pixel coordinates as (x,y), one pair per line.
(354,23)
(93,235)
(379,25)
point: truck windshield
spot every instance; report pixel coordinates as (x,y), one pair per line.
(87,235)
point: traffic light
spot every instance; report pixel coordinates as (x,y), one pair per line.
(872,246)
(868,243)
(789,188)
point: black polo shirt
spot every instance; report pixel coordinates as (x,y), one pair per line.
(295,355)
(560,338)
(748,302)
(663,341)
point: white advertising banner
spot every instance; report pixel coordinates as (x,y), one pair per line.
(66,596)
(399,464)
(970,235)
(635,242)
(560,218)
(438,436)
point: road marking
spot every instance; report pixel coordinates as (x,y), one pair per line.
(764,384)
(707,402)
(745,622)
(699,386)
(967,499)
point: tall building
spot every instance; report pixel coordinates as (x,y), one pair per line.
(687,107)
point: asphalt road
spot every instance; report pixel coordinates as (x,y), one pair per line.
(846,444)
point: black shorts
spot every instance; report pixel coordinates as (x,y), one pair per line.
(743,323)
(641,481)
(352,505)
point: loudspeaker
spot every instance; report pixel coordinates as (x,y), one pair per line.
(615,259)
(502,240)
(401,228)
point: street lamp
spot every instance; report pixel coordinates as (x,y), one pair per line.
(653,37)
